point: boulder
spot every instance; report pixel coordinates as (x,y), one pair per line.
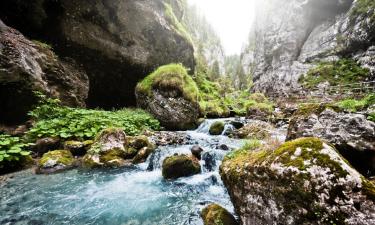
(55,161)
(214,214)
(163,138)
(177,166)
(255,129)
(118,43)
(142,148)
(196,151)
(352,134)
(26,67)
(171,95)
(304,181)
(77,148)
(108,150)
(217,128)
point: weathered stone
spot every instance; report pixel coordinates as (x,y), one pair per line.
(163,138)
(305,181)
(255,129)
(196,151)
(27,66)
(77,148)
(44,145)
(216,215)
(180,166)
(352,134)
(56,161)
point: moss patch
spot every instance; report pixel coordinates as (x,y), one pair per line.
(177,166)
(217,128)
(63,157)
(172,77)
(178,26)
(216,215)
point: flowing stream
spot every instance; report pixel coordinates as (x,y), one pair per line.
(127,196)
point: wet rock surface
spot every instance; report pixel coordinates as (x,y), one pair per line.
(215,214)
(304,181)
(177,166)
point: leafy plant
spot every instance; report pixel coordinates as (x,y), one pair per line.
(12,150)
(53,120)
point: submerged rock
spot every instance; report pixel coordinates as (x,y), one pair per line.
(352,134)
(305,181)
(56,161)
(217,128)
(216,215)
(27,67)
(177,166)
(171,95)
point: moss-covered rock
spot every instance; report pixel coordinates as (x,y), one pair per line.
(142,147)
(254,130)
(108,149)
(55,161)
(217,128)
(216,215)
(171,95)
(177,166)
(305,181)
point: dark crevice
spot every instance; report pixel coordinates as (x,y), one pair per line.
(362,161)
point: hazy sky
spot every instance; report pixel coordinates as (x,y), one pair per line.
(232,20)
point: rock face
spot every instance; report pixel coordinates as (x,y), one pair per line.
(180,166)
(118,42)
(289,35)
(56,161)
(303,182)
(352,134)
(215,214)
(27,66)
(112,148)
(171,95)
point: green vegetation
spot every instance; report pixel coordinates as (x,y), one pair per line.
(172,77)
(364,7)
(341,72)
(179,27)
(13,152)
(371,117)
(249,146)
(354,105)
(54,120)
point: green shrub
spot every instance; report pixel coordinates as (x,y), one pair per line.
(341,72)
(353,105)
(172,76)
(12,151)
(53,120)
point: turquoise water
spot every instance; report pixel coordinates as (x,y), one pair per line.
(128,196)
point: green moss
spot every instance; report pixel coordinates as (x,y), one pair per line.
(341,72)
(364,8)
(368,188)
(63,157)
(177,166)
(216,215)
(217,128)
(170,77)
(248,147)
(354,105)
(178,26)
(371,117)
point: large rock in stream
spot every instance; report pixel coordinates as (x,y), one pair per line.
(118,42)
(305,181)
(177,166)
(171,95)
(27,66)
(352,134)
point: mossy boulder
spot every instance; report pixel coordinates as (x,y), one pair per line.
(108,149)
(177,166)
(171,95)
(55,161)
(214,214)
(77,148)
(217,128)
(112,148)
(352,134)
(304,181)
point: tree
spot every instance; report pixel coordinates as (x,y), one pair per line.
(215,71)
